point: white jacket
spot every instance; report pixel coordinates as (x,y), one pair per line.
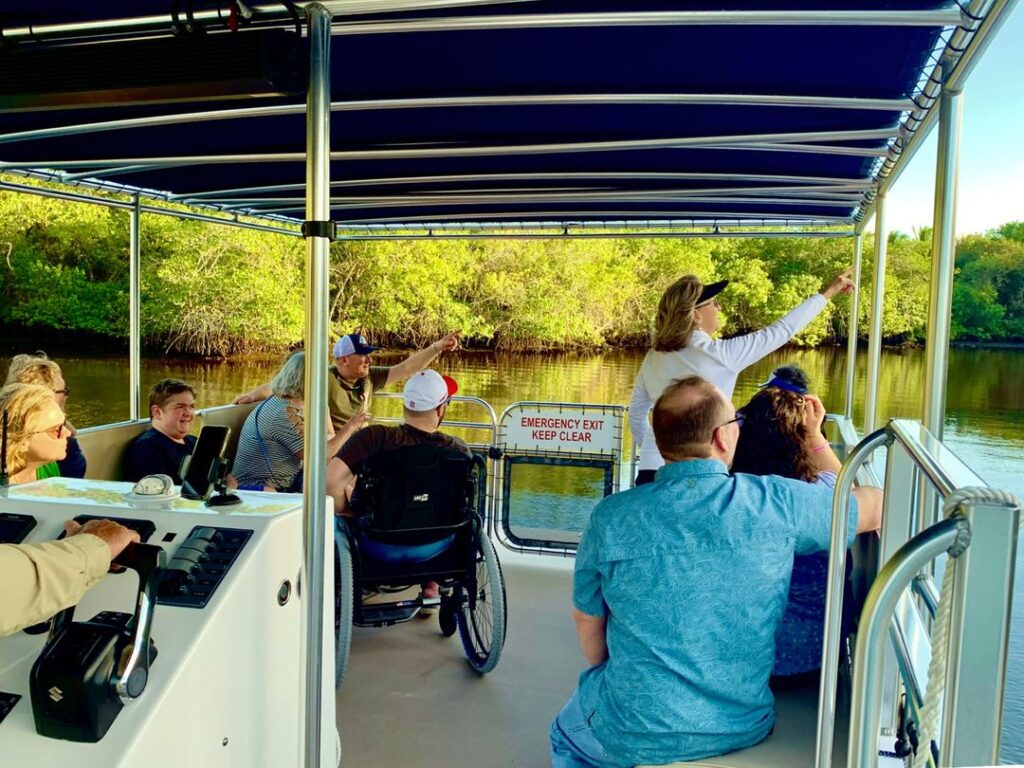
(717,360)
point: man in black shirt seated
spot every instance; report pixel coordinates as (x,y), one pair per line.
(425,401)
(160,449)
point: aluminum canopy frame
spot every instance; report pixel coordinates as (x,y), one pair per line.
(479,116)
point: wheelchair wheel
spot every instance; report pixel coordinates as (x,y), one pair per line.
(344,596)
(448,619)
(482,621)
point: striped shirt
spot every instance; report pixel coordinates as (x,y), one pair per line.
(268,447)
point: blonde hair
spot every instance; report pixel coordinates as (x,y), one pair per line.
(673,324)
(21,402)
(33,369)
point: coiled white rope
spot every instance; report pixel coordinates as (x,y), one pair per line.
(940,629)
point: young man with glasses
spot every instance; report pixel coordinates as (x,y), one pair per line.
(678,590)
(161,448)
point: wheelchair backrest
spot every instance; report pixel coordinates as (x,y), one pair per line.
(415,488)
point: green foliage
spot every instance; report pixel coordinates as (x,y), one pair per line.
(215,290)
(988,295)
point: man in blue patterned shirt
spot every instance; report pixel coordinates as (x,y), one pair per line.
(678,589)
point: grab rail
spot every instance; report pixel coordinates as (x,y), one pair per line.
(895,576)
(834,600)
(491,425)
(983,588)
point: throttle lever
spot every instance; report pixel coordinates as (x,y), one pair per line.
(131,671)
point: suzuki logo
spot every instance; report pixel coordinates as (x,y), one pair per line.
(55,693)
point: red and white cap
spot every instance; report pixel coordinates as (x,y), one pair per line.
(428,389)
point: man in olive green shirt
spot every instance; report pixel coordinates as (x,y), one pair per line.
(39,580)
(352,380)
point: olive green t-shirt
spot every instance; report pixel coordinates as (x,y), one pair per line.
(344,401)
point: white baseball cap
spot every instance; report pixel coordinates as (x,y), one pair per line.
(428,389)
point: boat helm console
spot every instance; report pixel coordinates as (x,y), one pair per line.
(215,598)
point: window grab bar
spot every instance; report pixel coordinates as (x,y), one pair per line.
(895,576)
(834,601)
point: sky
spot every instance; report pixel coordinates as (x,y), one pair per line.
(991,189)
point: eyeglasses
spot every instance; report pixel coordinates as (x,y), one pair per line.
(739,419)
(709,303)
(66,391)
(55,431)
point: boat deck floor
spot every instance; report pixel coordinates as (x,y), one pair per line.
(410,699)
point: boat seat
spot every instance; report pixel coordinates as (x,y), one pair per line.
(104,448)
(792,743)
(232,416)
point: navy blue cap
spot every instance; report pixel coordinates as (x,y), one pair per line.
(353,344)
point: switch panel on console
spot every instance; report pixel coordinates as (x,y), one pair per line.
(200,564)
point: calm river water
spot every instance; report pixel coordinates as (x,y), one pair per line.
(984,422)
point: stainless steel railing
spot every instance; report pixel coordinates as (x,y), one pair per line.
(976,661)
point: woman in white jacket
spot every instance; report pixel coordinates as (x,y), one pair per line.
(682,346)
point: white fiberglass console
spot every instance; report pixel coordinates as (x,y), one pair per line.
(225,687)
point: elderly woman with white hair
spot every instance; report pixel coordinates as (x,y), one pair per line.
(270,446)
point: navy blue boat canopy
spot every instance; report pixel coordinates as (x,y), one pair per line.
(452,114)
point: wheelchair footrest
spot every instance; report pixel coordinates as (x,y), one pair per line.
(386,614)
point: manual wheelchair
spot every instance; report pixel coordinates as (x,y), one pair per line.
(422,499)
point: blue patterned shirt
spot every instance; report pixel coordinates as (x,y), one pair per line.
(692,573)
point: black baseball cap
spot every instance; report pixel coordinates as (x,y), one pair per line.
(710,291)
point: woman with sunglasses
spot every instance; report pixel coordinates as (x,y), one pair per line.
(782,436)
(35,431)
(39,369)
(683,346)
(41,579)
(270,445)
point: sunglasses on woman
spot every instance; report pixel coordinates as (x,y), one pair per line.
(55,431)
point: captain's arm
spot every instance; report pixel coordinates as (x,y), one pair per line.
(41,579)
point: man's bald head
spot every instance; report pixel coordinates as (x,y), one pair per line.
(686,416)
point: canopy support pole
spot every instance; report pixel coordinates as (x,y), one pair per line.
(875,329)
(851,329)
(318,177)
(134,311)
(943,258)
